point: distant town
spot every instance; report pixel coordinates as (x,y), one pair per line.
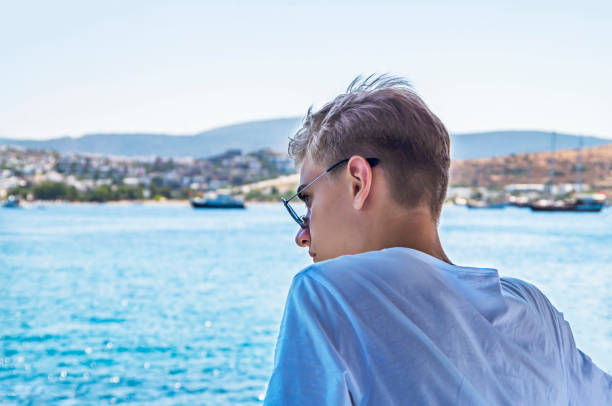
(33,174)
(560,174)
(264,175)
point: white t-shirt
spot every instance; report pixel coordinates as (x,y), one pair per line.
(400,327)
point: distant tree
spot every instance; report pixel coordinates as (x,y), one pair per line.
(255,195)
(101,194)
(164,191)
(21,191)
(125,192)
(183,193)
(72,193)
(157,181)
(50,191)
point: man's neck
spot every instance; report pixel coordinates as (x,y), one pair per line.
(436,251)
(407,228)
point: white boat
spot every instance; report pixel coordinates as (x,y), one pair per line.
(12,202)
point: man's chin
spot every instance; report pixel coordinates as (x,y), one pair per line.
(318,258)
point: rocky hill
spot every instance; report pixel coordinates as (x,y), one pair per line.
(535,168)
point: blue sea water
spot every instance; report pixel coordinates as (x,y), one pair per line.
(152,304)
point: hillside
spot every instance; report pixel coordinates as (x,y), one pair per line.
(499,143)
(498,172)
(274,134)
(248,137)
(535,168)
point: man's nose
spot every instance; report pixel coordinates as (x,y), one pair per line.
(302,238)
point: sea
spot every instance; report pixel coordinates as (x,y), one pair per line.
(164,304)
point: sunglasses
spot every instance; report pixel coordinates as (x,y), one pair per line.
(301,220)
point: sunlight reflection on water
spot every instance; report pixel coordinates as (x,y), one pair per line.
(167,304)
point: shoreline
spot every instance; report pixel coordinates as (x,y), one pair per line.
(148,202)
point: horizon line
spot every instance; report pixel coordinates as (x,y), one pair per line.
(235,124)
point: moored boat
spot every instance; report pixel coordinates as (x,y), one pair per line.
(221,201)
(518,201)
(584,202)
(11,202)
(581,203)
(480,204)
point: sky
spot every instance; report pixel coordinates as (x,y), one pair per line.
(68,68)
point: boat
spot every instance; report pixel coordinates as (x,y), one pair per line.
(519,201)
(12,202)
(480,204)
(221,201)
(581,203)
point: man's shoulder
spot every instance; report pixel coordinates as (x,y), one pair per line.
(356,264)
(354,275)
(535,299)
(524,290)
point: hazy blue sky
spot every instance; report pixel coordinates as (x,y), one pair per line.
(75,67)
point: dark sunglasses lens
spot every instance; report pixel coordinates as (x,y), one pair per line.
(300,220)
(292,213)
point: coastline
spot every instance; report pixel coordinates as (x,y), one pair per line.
(148,202)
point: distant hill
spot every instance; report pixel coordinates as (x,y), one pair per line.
(273,134)
(248,137)
(499,143)
(596,164)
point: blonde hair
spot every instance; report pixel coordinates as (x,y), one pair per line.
(382,117)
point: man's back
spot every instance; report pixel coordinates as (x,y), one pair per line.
(398,326)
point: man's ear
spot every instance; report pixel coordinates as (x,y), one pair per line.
(360,175)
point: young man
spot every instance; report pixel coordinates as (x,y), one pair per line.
(383,317)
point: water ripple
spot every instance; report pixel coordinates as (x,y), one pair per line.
(167,305)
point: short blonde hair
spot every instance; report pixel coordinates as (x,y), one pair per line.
(382,117)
